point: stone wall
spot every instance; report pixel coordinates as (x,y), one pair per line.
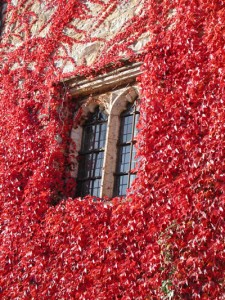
(90,36)
(83,44)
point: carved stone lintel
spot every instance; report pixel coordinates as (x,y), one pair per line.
(106,82)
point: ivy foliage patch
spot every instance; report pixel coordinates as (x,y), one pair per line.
(166,241)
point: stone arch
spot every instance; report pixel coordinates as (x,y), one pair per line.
(119,104)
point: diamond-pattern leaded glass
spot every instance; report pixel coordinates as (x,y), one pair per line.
(126,149)
(92,154)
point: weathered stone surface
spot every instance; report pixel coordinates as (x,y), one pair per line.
(85,50)
(89,53)
(110,81)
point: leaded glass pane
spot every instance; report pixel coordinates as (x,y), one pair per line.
(126,150)
(85,165)
(132,177)
(96,185)
(98,162)
(92,154)
(124,160)
(126,129)
(123,184)
(102,135)
(88,137)
(133,158)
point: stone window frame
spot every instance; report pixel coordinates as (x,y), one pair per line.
(111,92)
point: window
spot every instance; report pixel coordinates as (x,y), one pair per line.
(126,150)
(104,130)
(97,148)
(92,154)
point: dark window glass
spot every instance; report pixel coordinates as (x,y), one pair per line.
(3,5)
(126,149)
(92,154)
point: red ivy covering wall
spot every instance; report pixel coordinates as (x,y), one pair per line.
(167,241)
